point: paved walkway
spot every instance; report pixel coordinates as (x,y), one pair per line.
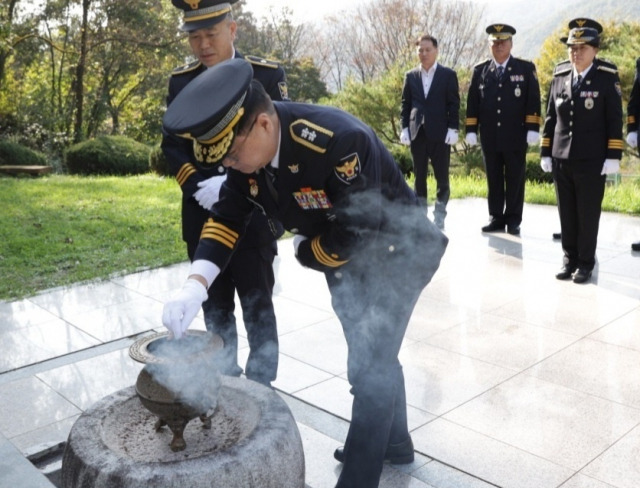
(514,379)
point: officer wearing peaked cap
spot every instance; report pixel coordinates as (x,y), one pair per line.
(503,106)
(211,32)
(355,219)
(633,121)
(582,143)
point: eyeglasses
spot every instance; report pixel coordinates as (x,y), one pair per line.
(233,155)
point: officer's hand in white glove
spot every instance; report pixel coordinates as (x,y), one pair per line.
(179,311)
(452,137)
(610,166)
(404,137)
(209,191)
(533,137)
(471,138)
(297,239)
(545,164)
(632,139)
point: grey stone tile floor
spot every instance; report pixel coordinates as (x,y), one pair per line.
(514,379)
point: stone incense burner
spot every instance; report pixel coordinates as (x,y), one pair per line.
(180,379)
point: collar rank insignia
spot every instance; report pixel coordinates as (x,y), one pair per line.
(348,168)
(253,187)
(294,168)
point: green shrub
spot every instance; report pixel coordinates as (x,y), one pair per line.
(108,155)
(12,153)
(533,171)
(469,158)
(157,162)
(402,155)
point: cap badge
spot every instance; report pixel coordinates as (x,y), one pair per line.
(192,3)
(498,28)
(581,22)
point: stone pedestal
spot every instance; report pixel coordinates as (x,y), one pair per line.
(253,442)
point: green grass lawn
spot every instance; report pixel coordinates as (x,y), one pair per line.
(59,229)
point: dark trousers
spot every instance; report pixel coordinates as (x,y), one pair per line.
(505,172)
(439,153)
(579,193)
(374,304)
(250,273)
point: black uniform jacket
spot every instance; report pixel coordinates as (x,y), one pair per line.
(584,123)
(180,156)
(633,107)
(439,111)
(504,110)
(337,185)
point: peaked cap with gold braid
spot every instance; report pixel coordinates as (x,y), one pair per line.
(582,35)
(500,32)
(199,14)
(210,107)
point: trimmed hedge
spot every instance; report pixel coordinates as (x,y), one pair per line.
(12,153)
(108,155)
(157,161)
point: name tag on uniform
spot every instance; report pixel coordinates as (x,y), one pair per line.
(309,199)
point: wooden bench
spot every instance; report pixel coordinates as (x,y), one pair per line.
(30,170)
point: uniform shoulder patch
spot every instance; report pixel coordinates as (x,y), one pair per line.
(186,68)
(310,135)
(348,168)
(257,60)
(606,62)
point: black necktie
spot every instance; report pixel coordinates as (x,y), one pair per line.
(270,177)
(500,72)
(577,82)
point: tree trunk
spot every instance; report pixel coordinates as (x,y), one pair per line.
(80,68)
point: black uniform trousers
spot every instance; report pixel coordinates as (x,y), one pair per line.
(505,172)
(423,150)
(374,302)
(579,192)
(250,273)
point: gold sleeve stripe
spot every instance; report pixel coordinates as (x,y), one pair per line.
(631,119)
(545,142)
(471,121)
(218,232)
(533,119)
(186,170)
(322,257)
(616,144)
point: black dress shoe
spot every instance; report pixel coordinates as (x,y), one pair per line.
(635,246)
(566,272)
(493,226)
(514,230)
(401,453)
(557,236)
(582,275)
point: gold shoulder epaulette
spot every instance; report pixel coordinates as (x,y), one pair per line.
(262,62)
(186,68)
(310,135)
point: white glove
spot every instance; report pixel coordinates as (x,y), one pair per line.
(632,139)
(404,137)
(533,137)
(610,166)
(179,312)
(297,239)
(209,191)
(545,164)
(452,137)
(471,138)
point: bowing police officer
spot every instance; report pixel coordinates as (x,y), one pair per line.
(328,178)
(582,143)
(503,105)
(211,32)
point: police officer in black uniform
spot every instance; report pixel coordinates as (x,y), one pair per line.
(581,144)
(211,30)
(338,189)
(633,118)
(504,104)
